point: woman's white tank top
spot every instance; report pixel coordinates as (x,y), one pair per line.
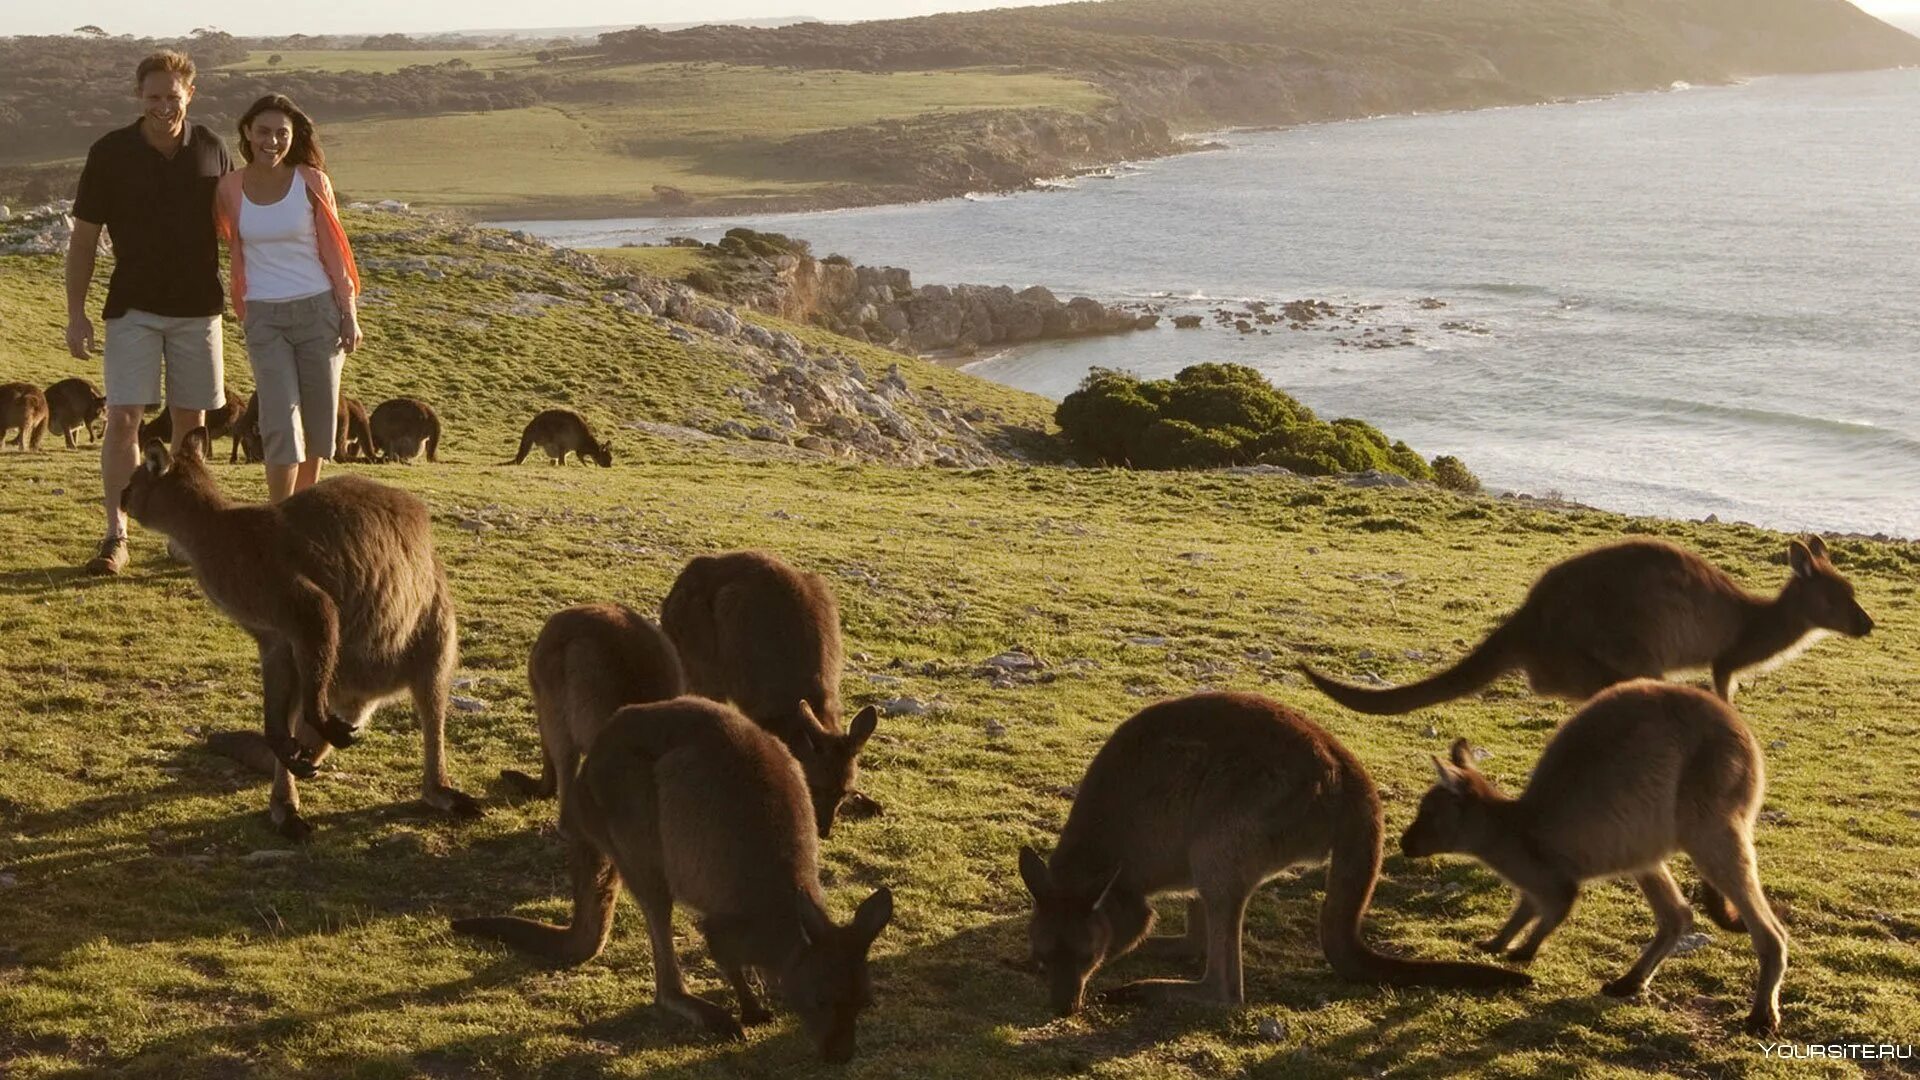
(282,252)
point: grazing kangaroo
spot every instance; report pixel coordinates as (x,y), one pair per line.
(1638,609)
(693,804)
(559,432)
(225,420)
(1214,794)
(1646,769)
(340,587)
(246,434)
(353,436)
(23,410)
(75,403)
(403,427)
(588,662)
(756,632)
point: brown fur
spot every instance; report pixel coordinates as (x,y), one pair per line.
(224,420)
(559,432)
(339,586)
(1637,609)
(1212,795)
(353,434)
(1645,770)
(72,404)
(756,632)
(588,662)
(692,804)
(246,434)
(23,411)
(403,427)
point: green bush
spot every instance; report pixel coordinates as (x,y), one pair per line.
(1212,415)
(1452,473)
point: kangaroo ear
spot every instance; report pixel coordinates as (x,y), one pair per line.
(862,727)
(815,927)
(1817,546)
(1800,558)
(156,460)
(807,724)
(1461,753)
(1033,871)
(875,913)
(197,444)
(1449,777)
(1106,889)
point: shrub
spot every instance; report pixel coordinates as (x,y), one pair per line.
(1452,473)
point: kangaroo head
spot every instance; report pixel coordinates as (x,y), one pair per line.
(1452,815)
(602,454)
(1818,592)
(166,485)
(826,983)
(1069,932)
(830,760)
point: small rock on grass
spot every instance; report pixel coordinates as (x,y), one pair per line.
(904,706)
(996,730)
(267,855)
(1273,1029)
(467,704)
(1691,943)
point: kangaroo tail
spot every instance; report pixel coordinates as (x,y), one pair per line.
(1719,910)
(1352,870)
(594,885)
(526,447)
(433,444)
(1489,660)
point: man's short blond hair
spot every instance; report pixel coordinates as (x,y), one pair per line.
(173,63)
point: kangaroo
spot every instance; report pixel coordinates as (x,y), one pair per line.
(1646,769)
(246,434)
(353,436)
(23,407)
(75,403)
(225,420)
(691,803)
(1638,609)
(588,662)
(1214,794)
(756,632)
(403,427)
(559,432)
(340,587)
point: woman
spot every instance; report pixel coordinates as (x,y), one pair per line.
(294,287)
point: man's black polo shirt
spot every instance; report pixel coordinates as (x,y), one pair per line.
(159,213)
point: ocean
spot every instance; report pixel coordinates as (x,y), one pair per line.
(1701,301)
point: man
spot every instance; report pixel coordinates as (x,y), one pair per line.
(150,185)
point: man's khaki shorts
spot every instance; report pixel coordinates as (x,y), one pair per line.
(148,353)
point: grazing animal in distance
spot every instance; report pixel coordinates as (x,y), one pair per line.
(341,590)
(225,420)
(353,435)
(404,427)
(72,404)
(1637,609)
(756,632)
(559,432)
(1644,770)
(246,434)
(1214,794)
(588,662)
(23,411)
(693,804)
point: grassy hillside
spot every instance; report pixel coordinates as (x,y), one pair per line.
(259,61)
(151,925)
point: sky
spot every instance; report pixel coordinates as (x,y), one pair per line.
(146,18)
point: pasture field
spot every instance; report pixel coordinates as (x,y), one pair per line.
(152,925)
(378,61)
(710,130)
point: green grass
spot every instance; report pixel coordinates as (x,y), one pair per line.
(377,60)
(711,130)
(136,939)
(672,263)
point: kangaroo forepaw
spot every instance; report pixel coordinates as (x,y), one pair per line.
(1492,945)
(1763,1022)
(457,803)
(857,806)
(704,1014)
(1624,987)
(288,823)
(338,732)
(296,759)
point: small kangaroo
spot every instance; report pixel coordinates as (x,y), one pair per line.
(1638,609)
(72,404)
(225,420)
(559,432)
(246,434)
(691,803)
(1214,794)
(23,411)
(340,587)
(587,662)
(353,435)
(1646,769)
(756,632)
(403,427)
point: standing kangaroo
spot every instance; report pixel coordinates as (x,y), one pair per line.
(1638,609)
(353,434)
(23,411)
(340,587)
(1646,769)
(225,420)
(1214,794)
(693,804)
(588,662)
(72,404)
(403,427)
(756,632)
(559,432)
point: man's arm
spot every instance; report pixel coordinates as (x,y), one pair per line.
(81,252)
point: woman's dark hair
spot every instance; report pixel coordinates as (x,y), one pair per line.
(306,145)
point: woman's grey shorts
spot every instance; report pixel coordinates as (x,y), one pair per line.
(294,347)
